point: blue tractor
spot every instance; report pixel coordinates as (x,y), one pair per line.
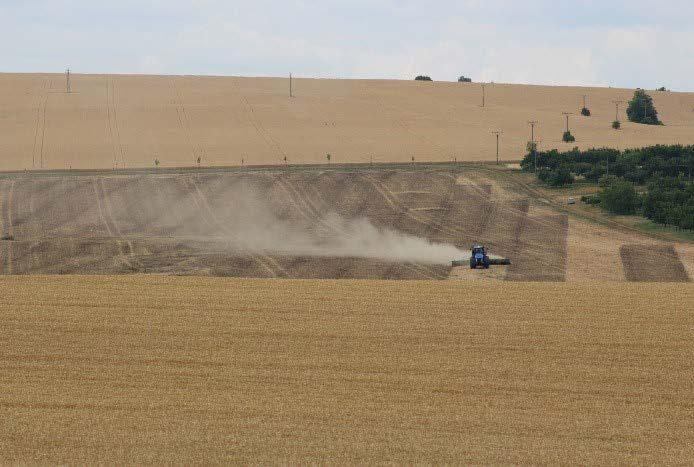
(479,257)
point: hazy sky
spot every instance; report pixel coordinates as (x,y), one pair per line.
(619,43)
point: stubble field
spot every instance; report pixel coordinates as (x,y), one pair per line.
(199,370)
(129,121)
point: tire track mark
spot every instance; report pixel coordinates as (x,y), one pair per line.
(112,219)
(312,213)
(110,228)
(110,126)
(40,110)
(184,121)
(398,207)
(7,228)
(266,262)
(40,127)
(261,130)
(116,125)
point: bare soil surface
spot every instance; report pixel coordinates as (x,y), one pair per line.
(189,224)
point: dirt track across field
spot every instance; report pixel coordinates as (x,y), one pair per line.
(129,121)
(254,223)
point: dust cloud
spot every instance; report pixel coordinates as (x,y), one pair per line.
(249,223)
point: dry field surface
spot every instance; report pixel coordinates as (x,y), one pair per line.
(187,224)
(153,369)
(129,121)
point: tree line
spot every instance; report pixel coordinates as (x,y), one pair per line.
(662,173)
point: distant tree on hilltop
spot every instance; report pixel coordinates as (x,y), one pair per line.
(464,79)
(423,78)
(641,109)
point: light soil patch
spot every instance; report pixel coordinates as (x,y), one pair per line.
(164,370)
(592,254)
(686,254)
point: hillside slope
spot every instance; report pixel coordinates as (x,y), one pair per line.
(312,223)
(132,120)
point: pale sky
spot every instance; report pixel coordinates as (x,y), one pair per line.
(620,43)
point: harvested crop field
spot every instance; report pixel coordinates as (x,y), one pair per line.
(129,121)
(309,223)
(149,369)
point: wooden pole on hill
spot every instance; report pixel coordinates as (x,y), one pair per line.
(567,114)
(68,86)
(497,133)
(532,140)
(483,94)
(291,90)
(532,130)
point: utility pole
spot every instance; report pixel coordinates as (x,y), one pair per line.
(497,133)
(532,140)
(616,103)
(584,101)
(483,96)
(67,79)
(291,90)
(567,114)
(532,130)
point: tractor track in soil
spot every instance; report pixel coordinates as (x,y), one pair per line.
(107,219)
(94,224)
(303,204)
(264,261)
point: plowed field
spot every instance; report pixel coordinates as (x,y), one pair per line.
(244,224)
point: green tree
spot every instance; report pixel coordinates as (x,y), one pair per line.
(620,197)
(568,137)
(464,79)
(641,109)
(558,177)
(423,78)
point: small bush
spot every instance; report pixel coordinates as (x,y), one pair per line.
(616,125)
(558,177)
(592,200)
(585,112)
(423,78)
(464,79)
(568,137)
(662,89)
(607,180)
(620,198)
(7,237)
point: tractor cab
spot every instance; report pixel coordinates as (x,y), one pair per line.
(479,257)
